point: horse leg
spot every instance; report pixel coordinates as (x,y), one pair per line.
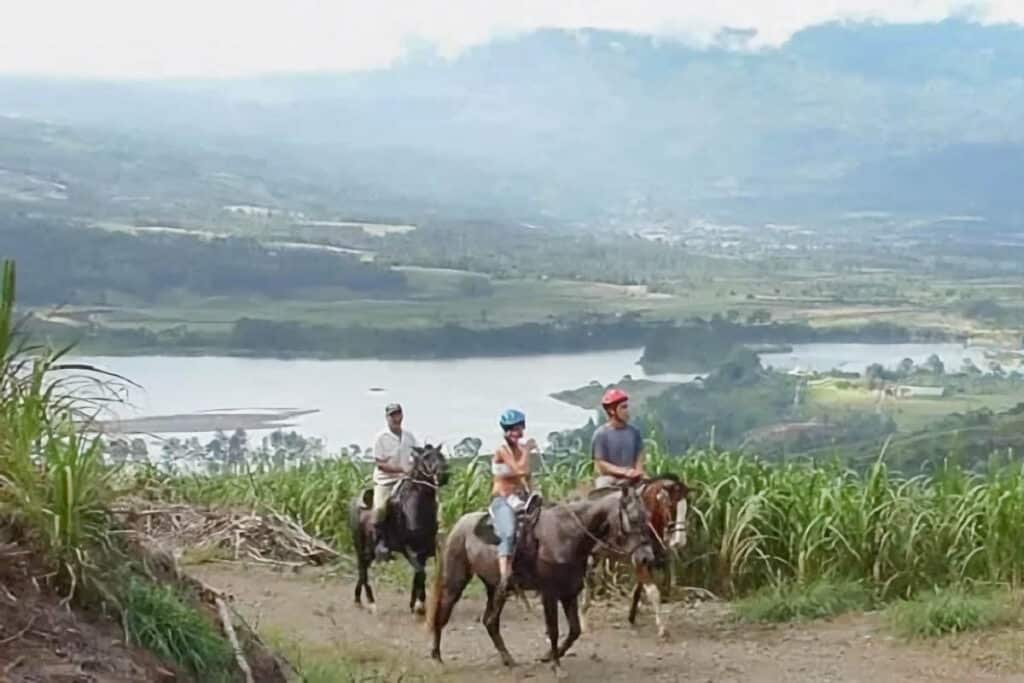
(364,579)
(571,608)
(492,621)
(418,595)
(650,587)
(551,620)
(524,600)
(637,592)
(446,595)
(359,584)
(654,596)
(585,600)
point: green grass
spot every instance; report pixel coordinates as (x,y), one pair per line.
(338,664)
(949,611)
(795,602)
(157,618)
(825,398)
(753,524)
(56,491)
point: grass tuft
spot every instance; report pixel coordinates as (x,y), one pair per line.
(803,602)
(157,618)
(337,664)
(949,611)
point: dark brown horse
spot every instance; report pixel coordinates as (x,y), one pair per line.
(666,499)
(411,524)
(555,562)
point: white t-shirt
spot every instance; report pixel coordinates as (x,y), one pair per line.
(395,451)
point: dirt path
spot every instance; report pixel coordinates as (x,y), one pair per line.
(704,646)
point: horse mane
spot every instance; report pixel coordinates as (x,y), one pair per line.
(599,493)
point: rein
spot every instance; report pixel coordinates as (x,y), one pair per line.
(598,541)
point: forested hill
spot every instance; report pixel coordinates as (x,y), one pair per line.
(567,125)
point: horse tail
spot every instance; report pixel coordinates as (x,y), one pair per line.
(437,582)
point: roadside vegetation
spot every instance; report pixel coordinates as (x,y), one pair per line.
(755,525)
(56,493)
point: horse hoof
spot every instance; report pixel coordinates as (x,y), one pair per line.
(560,673)
(420,609)
(372,608)
(508,661)
(662,634)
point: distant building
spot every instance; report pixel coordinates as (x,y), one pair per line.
(906,391)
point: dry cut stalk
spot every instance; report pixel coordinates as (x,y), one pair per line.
(229,631)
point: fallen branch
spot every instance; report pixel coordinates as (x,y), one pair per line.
(229,631)
(14,665)
(20,634)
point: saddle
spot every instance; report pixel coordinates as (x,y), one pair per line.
(525,549)
(366,499)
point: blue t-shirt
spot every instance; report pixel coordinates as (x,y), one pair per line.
(619,447)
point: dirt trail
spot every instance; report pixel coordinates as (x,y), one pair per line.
(704,645)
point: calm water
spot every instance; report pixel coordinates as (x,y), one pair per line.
(444,399)
(856,357)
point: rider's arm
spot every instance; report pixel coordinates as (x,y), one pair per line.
(383,461)
(603,466)
(606,468)
(641,455)
(520,467)
(640,466)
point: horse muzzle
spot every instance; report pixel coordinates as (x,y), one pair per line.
(643,556)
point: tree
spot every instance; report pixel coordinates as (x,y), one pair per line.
(906,367)
(934,365)
(760,316)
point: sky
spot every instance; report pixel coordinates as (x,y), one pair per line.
(218,38)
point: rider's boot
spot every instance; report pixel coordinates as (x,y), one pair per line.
(501,592)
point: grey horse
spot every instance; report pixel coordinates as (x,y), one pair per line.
(551,559)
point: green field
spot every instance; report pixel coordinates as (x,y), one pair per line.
(830,397)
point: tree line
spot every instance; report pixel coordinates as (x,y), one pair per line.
(67,263)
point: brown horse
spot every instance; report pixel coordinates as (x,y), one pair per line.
(665,498)
(411,524)
(554,563)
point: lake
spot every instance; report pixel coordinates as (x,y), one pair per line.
(444,400)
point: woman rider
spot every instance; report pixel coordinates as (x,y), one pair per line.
(511,471)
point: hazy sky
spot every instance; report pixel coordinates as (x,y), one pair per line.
(147,38)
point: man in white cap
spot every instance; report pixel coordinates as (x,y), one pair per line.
(392,454)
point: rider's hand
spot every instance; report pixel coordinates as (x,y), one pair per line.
(531,445)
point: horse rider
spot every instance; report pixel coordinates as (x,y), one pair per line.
(617,446)
(510,468)
(392,454)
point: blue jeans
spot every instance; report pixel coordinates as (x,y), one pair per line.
(504,525)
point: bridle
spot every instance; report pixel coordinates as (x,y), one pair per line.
(605,544)
(677,525)
(417,476)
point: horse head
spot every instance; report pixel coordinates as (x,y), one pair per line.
(666,499)
(632,526)
(429,466)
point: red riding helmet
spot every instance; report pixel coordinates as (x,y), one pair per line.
(614,397)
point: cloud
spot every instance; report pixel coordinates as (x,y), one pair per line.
(150,38)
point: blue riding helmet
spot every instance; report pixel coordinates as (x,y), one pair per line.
(512,418)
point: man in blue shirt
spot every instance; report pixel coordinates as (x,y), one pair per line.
(617,447)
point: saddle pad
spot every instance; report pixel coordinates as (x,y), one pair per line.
(484,530)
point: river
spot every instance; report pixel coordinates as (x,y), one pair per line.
(444,400)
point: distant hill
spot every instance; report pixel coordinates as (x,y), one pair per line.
(575,125)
